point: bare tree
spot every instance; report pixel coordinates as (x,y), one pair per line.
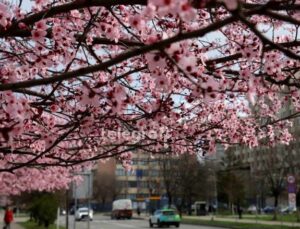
(167,166)
(272,166)
(232,185)
(106,188)
(184,178)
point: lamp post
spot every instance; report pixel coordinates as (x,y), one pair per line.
(83,192)
(202,159)
(215,192)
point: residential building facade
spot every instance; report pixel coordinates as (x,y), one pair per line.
(142,184)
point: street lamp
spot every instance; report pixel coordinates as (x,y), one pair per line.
(83,192)
(202,159)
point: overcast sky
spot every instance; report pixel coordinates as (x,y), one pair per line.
(26,4)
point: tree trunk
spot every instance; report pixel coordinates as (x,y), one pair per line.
(46,224)
(67,209)
(189,206)
(275,207)
(169,199)
(180,208)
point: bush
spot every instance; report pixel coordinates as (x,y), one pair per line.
(43,209)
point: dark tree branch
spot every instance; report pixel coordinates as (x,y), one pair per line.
(266,41)
(14,30)
(118,59)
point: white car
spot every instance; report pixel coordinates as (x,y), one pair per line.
(252,209)
(84,213)
(288,210)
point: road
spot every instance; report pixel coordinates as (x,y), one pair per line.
(104,222)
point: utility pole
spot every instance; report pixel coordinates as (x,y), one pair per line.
(67,209)
(84,191)
(75,207)
(89,196)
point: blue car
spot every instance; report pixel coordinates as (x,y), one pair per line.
(268,209)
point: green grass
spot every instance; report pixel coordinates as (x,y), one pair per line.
(21,214)
(269,217)
(233,225)
(224,212)
(33,225)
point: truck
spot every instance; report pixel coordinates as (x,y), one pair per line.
(121,209)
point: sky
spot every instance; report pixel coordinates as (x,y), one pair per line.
(26,4)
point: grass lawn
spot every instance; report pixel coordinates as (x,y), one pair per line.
(233,225)
(21,214)
(269,217)
(33,225)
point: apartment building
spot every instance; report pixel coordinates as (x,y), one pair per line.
(142,184)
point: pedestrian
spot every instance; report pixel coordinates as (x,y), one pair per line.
(8,217)
(240,211)
(138,211)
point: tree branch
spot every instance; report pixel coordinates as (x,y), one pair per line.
(118,59)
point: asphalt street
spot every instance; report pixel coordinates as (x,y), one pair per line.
(104,222)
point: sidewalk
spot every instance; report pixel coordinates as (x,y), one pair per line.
(16,222)
(252,221)
(14,225)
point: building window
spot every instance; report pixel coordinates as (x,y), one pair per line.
(132,184)
(120,172)
(142,184)
(134,161)
(122,184)
(122,196)
(132,196)
(154,173)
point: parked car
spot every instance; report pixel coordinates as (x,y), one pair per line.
(84,214)
(287,210)
(268,209)
(165,217)
(252,209)
(74,208)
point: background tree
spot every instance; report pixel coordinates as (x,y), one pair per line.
(268,168)
(192,181)
(232,185)
(185,180)
(105,187)
(43,208)
(169,173)
(233,179)
(273,166)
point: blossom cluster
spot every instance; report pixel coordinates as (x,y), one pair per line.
(81,81)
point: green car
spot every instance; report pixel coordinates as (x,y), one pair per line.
(165,217)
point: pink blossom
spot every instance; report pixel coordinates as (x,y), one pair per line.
(41,25)
(137,22)
(231,4)
(5,15)
(38,35)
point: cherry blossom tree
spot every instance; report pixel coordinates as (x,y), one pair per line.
(86,80)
